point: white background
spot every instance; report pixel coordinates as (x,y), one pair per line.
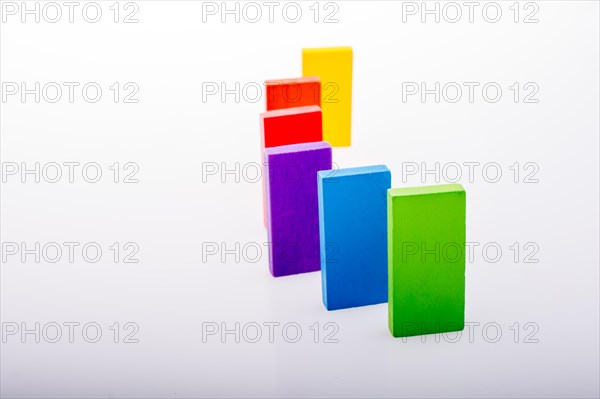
(171,54)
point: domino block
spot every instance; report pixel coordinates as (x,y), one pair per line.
(290,93)
(292,206)
(289,126)
(334,67)
(353,236)
(426,259)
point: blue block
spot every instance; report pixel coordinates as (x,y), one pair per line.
(353,236)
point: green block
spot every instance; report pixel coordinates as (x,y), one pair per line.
(426,259)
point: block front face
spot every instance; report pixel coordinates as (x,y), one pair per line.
(426,258)
(353,235)
(290,93)
(334,67)
(292,206)
(292,126)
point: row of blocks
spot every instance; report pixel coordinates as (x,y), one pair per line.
(372,243)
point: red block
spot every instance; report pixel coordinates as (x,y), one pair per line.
(289,93)
(289,126)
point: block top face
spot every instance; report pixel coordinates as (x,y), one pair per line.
(304,79)
(291,148)
(290,111)
(327,50)
(426,190)
(361,170)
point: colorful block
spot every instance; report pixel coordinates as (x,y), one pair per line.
(426,258)
(292,206)
(334,67)
(289,126)
(290,93)
(353,236)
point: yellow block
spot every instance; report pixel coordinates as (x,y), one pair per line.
(334,67)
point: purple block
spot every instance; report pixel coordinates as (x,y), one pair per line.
(293,206)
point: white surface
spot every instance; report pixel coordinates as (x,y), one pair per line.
(171,212)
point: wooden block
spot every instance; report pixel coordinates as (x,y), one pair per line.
(426,259)
(290,93)
(353,234)
(292,206)
(289,126)
(334,67)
